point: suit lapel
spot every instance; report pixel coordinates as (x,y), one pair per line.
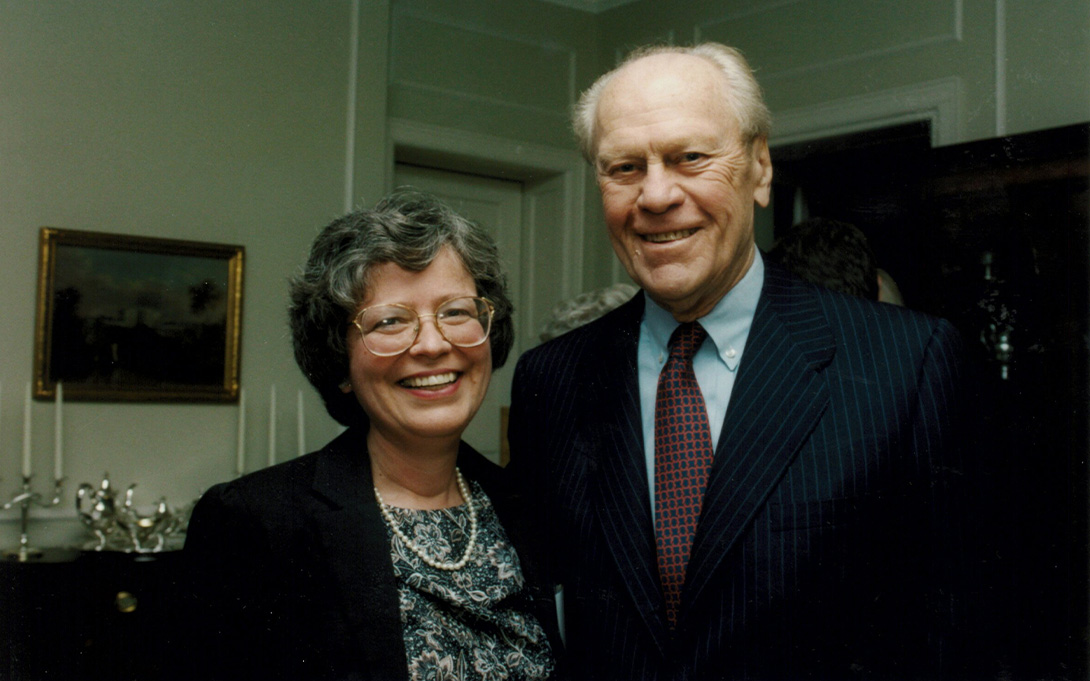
(612,439)
(777,400)
(358,553)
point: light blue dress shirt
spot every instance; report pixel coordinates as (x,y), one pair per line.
(715,363)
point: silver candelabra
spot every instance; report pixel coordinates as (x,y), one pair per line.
(24,498)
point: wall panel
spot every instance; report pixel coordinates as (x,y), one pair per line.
(510,70)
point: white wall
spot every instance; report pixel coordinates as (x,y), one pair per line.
(509,69)
(199,120)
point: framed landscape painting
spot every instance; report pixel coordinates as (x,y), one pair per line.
(128,318)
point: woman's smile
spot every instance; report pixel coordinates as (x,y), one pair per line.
(430,382)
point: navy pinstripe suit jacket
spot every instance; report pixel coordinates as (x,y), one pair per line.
(828,545)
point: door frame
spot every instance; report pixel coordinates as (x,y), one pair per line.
(936,101)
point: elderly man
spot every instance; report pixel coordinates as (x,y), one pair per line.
(744,475)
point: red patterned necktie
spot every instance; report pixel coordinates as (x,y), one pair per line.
(683,457)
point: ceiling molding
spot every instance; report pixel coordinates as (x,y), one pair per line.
(592,6)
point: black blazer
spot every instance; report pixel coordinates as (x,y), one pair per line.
(830,543)
(289,572)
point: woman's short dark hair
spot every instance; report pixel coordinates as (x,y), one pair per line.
(406,228)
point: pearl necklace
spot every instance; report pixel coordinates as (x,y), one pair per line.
(434,562)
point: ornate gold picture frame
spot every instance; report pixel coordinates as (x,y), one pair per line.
(128,318)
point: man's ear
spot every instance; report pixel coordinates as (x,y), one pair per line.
(762,169)
(345,386)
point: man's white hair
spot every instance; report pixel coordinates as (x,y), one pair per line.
(744,97)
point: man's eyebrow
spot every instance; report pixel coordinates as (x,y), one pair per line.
(607,159)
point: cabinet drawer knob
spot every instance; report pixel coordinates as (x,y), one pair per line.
(125,602)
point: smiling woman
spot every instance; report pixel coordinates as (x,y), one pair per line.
(396,550)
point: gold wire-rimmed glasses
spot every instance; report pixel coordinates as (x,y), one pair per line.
(389,330)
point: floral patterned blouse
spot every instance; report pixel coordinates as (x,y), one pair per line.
(471,623)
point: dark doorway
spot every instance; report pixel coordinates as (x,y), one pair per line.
(875,180)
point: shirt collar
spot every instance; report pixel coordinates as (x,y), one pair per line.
(727,324)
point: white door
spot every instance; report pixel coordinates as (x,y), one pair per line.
(496,205)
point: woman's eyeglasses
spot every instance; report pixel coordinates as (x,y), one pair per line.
(390,330)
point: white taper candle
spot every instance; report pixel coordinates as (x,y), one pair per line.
(26,433)
(240,453)
(58,434)
(272,426)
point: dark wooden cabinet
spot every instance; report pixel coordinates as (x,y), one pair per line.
(1008,225)
(87,615)
(993,233)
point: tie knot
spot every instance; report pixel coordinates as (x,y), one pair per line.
(686,340)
